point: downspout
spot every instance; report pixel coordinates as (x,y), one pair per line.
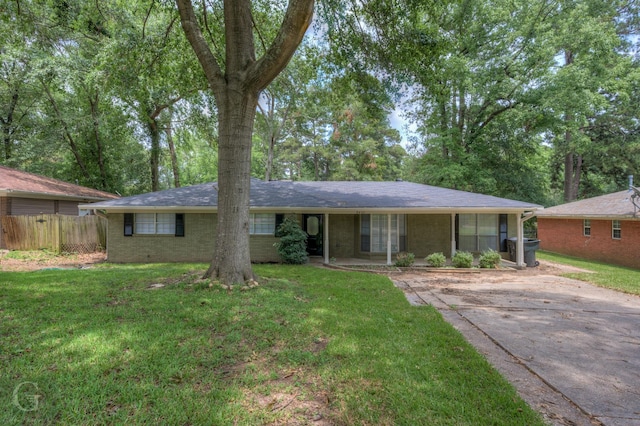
(389,239)
(520,243)
(453,234)
(325,243)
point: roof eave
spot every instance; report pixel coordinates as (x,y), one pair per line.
(50,196)
(329,210)
(588,216)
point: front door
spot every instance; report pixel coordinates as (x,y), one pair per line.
(312,225)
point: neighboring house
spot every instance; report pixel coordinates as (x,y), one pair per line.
(605,228)
(367,220)
(23,193)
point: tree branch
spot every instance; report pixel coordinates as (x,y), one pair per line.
(296,21)
(200,47)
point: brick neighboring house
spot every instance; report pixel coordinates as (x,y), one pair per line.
(366,220)
(23,193)
(604,228)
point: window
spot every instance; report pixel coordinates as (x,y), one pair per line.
(587,227)
(262,224)
(154,224)
(478,232)
(616,230)
(373,233)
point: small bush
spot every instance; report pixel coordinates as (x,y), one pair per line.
(292,246)
(490,259)
(462,259)
(404,259)
(437,260)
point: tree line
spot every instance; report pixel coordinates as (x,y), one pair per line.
(535,100)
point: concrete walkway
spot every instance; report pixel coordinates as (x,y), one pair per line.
(571,349)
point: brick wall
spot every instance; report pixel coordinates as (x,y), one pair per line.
(343,235)
(428,234)
(566,236)
(196,246)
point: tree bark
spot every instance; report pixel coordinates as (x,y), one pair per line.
(232,261)
(7,123)
(95,115)
(174,157)
(572,175)
(154,158)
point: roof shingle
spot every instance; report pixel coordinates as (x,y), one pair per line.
(324,195)
(12,180)
(617,204)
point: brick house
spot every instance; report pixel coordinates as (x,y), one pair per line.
(366,220)
(604,228)
(23,193)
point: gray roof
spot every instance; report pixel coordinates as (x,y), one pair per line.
(286,195)
(615,205)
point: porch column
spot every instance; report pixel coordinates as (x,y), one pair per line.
(453,234)
(325,237)
(520,243)
(388,239)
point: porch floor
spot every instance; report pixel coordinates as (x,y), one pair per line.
(346,261)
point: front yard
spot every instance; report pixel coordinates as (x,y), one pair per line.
(153,344)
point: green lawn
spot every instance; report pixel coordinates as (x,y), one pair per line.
(307,346)
(604,275)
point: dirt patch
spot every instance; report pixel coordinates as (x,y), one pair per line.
(11,261)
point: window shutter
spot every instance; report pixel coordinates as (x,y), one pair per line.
(504,231)
(179,224)
(279,220)
(365,233)
(128,224)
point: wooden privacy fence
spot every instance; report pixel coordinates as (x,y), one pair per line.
(58,233)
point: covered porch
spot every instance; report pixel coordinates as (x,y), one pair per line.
(330,229)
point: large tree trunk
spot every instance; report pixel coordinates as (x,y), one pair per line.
(232,262)
(236,88)
(572,175)
(174,156)
(154,154)
(7,123)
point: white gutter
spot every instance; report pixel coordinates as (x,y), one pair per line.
(361,210)
(49,196)
(520,243)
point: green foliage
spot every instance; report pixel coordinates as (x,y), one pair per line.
(405,259)
(462,259)
(437,260)
(292,246)
(489,259)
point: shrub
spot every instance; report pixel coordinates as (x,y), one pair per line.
(292,246)
(404,259)
(436,260)
(490,259)
(462,259)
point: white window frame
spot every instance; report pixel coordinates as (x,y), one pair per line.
(477,227)
(262,223)
(378,232)
(154,223)
(616,225)
(586,227)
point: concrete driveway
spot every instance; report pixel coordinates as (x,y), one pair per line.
(571,349)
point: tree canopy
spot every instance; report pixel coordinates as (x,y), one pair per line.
(532,100)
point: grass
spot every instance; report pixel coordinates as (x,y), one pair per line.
(604,275)
(308,346)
